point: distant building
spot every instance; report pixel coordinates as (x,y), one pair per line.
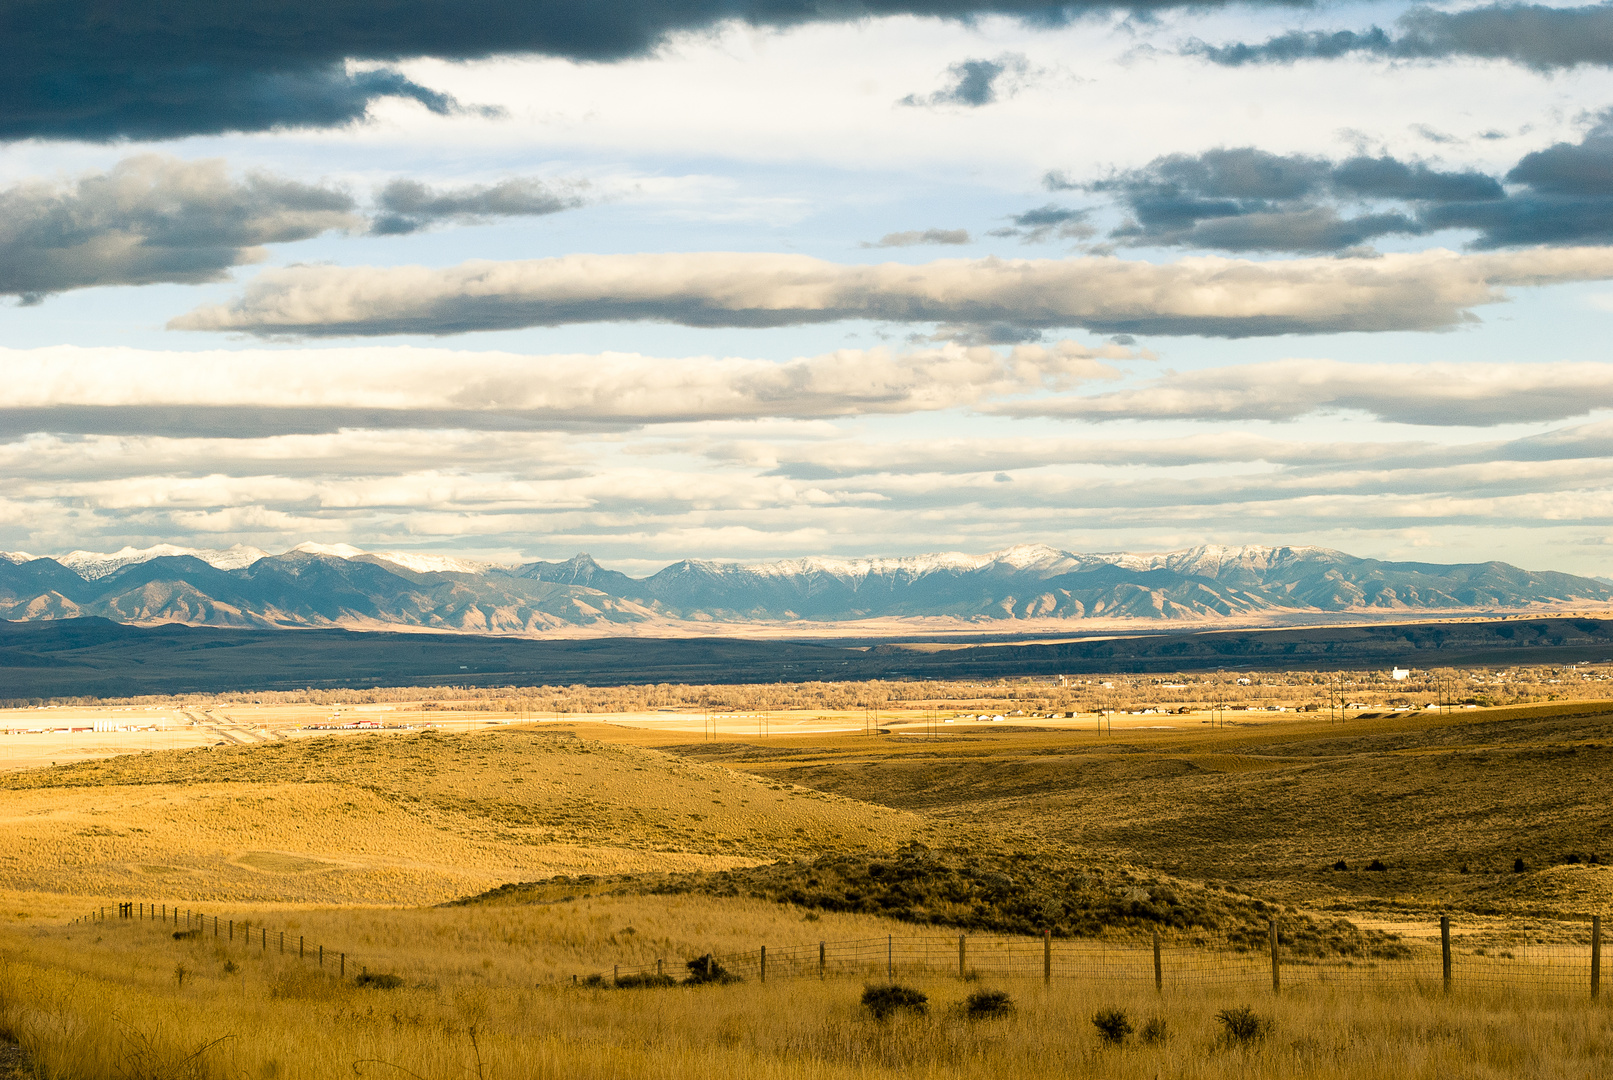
(1399,674)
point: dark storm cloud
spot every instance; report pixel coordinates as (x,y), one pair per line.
(1246,199)
(1542,38)
(975,82)
(171,68)
(405,206)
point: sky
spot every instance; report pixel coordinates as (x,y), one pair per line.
(747,281)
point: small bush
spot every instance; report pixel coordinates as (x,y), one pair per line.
(1113,1024)
(594,980)
(1242,1026)
(1377,865)
(987,1005)
(231,967)
(186,935)
(884,1001)
(707,970)
(1517,865)
(1341,865)
(379,982)
(644,981)
(1154,1031)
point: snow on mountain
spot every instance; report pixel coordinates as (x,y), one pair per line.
(339,551)
(17,557)
(436,564)
(854,569)
(94,565)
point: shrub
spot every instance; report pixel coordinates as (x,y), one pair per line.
(379,982)
(707,970)
(231,967)
(1517,865)
(186,935)
(987,1005)
(1341,865)
(1376,864)
(1154,1031)
(1113,1024)
(884,1001)
(644,980)
(1242,1026)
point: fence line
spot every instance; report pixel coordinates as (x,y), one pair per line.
(1189,962)
(190,923)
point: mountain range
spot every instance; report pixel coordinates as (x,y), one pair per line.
(321,586)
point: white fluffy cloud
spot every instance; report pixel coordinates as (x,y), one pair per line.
(1429,290)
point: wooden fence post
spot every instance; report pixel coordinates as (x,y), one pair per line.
(890,957)
(322,956)
(658,967)
(1276,964)
(300,943)
(1445,950)
(764,963)
(344,965)
(1047,956)
(1159,968)
(823,957)
(232,929)
(963,966)
(1596,956)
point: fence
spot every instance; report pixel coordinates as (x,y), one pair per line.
(1446,962)
(243,932)
(1436,958)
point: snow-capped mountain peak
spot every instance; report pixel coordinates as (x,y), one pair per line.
(94,565)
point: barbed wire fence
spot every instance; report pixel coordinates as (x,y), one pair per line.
(1431,958)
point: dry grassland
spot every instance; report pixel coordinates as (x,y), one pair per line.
(1446,803)
(125,1000)
(344,839)
(402,819)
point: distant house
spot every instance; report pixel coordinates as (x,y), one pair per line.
(1399,674)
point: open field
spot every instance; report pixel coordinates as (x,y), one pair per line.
(663,832)
(485,993)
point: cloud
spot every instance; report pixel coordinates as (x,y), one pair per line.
(1437,394)
(1538,37)
(152,219)
(1429,290)
(166,69)
(405,206)
(977,82)
(255,394)
(1048,222)
(1245,199)
(915,238)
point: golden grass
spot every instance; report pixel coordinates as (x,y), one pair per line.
(402,819)
(481,999)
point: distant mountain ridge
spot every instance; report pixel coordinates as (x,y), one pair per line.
(316,585)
